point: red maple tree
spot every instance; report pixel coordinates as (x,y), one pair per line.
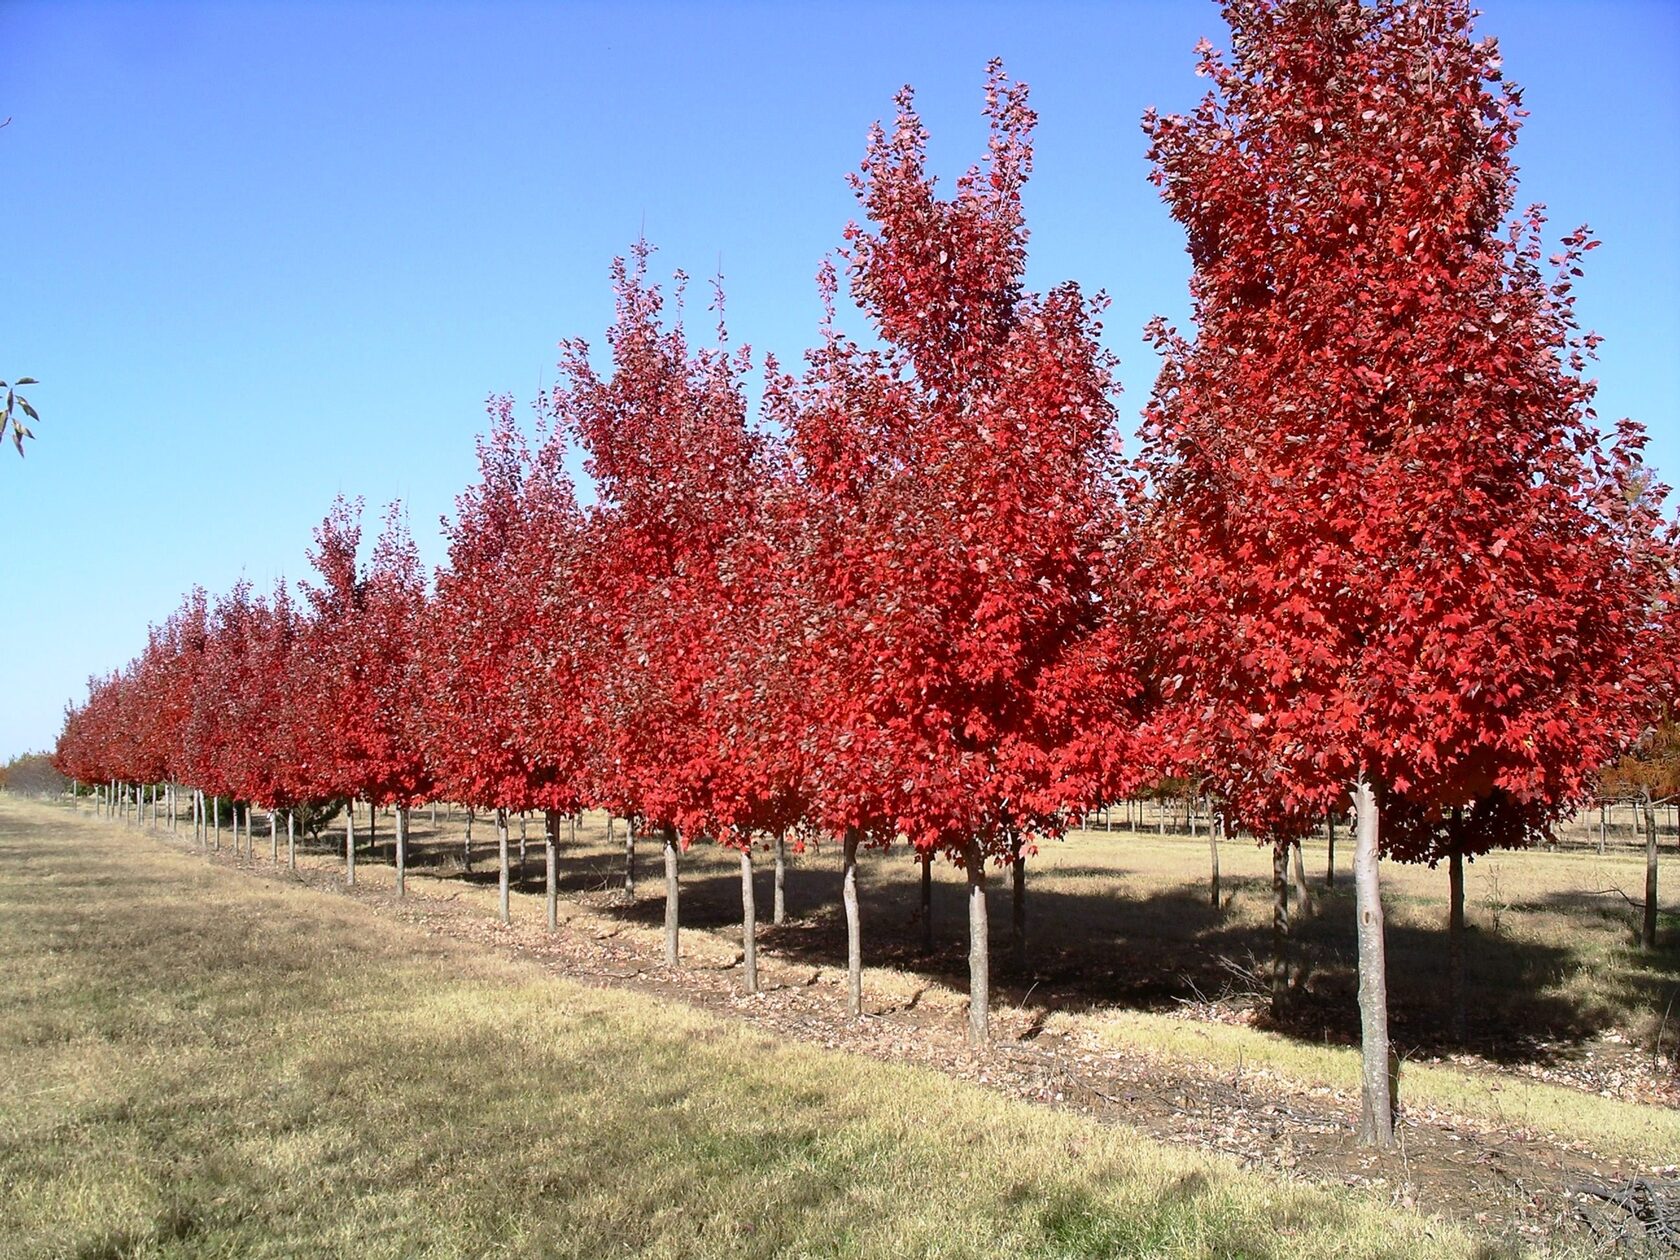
(962,481)
(1389,550)
(675,464)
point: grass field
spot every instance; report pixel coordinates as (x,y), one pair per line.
(1568,1030)
(202,1063)
(1120,924)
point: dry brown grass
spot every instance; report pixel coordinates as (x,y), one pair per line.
(207,1065)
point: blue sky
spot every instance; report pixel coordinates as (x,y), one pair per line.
(259,255)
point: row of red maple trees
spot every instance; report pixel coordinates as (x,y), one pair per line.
(1374,549)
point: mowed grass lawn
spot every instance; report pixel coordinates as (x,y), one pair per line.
(203,1062)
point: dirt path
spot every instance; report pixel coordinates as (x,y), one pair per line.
(1509,1185)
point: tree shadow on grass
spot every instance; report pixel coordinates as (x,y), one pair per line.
(1167,948)
(1105,948)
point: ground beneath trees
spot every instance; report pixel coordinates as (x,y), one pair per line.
(1509,1184)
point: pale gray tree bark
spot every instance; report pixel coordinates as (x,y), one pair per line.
(854,925)
(1018,903)
(1648,921)
(749,921)
(979,949)
(1280,929)
(778,906)
(402,851)
(350,845)
(673,950)
(1377,1072)
(1302,892)
(551,868)
(1455,946)
(502,865)
(926,862)
(1214,829)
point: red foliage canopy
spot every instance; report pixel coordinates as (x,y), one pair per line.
(676,469)
(1385,539)
(961,483)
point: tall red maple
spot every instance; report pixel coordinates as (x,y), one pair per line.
(961,481)
(675,465)
(1390,551)
(501,640)
(366,738)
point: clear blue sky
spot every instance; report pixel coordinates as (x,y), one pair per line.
(259,255)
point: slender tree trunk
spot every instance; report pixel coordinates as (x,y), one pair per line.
(927,902)
(291,840)
(350,844)
(1455,946)
(1280,929)
(1217,826)
(273,839)
(1377,1073)
(1302,892)
(749,921)
(1160,818)
(1330,852)
(854,926)
(502,865)
(466,844)
(629,856)
(1648,923)
(673,891)
(979,949)
(1018,903)
(778,906)
(402,851)
(551,868)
